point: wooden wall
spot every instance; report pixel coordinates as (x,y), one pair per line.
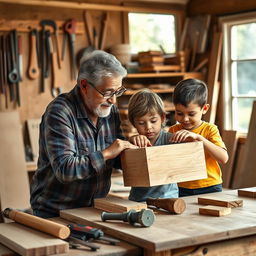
(34,103)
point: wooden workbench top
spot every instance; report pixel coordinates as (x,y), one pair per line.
(176,231)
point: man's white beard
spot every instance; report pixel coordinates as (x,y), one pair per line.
(103,112)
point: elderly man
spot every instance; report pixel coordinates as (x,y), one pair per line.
(80,139)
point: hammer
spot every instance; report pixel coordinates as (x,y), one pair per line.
(173,205)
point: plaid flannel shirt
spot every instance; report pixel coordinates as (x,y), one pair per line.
(71,170)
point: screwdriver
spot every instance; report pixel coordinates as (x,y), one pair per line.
(90,233)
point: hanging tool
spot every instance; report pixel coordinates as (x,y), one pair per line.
(20,57)
(13,73)
(47,226)
(88,27)
(105,22)
(56,90)
(75,241)
(70,29)
(145,217)
(45,58)
(173,205)
(4,67)
(33,71)
(90,233)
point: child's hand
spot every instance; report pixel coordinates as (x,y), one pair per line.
(140,141)
(184,136)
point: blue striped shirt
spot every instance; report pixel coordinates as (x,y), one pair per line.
(71,170)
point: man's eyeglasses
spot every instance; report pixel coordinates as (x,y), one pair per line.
(108,94)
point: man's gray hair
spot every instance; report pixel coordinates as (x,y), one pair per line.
(98,64)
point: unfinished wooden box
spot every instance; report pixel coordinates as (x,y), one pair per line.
(151,166)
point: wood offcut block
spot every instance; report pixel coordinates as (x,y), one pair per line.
(247,192)
(27,241)
(158,165)
(115,204)
(214,200)
(214,210)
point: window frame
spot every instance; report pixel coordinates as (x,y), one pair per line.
(179,16)
(226,24)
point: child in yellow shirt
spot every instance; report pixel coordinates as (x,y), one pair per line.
(190,101)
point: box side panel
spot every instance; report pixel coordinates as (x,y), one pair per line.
(176,163)
(134,165)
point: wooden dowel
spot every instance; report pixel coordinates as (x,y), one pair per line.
(47,226)
(173,205)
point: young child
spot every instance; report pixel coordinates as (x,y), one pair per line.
(147,115)
(190,101)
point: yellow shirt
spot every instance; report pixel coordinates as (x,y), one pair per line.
(211,133)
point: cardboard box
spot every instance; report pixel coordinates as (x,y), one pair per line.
(158,165)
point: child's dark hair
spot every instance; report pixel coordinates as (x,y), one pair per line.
(190,91)
(143,102)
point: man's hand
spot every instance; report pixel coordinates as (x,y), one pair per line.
(140,141)
(184,136)
(116,148)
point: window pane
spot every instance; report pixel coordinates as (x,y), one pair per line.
(244,78)
(243,43)
(149,31)
(244,107)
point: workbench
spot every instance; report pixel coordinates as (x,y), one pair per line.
(189,232)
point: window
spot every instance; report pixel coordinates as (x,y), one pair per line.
(239,65)
(151,32)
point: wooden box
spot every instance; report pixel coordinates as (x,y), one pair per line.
(158,165)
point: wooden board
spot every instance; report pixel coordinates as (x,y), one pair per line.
(214,210)
(159,165)
(176,231)
(247,192)
(33,132)
(247,177)
(14,185)
(115,204)
(4,251)
(213,75)
(230,139)
(26,241)
(158,68)
(224,202)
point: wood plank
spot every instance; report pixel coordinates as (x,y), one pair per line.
(26,241)
(115,204)
(218,7)
(230,139)
(225,202)
(4,251)
(248,173)
(88,6)
(214,210)
(213,75)
(176,231)
(14,185)
(27,25)
(151,166)
(247,192)
(33,132)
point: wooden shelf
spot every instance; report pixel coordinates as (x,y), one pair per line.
(131,92)
(164,74)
